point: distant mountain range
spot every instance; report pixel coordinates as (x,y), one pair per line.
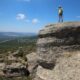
(15,34)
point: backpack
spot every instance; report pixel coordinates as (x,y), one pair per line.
(60,11)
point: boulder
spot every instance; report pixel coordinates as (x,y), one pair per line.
(66,68)
(32,63)
(2,66)
(56,38)
(58,51)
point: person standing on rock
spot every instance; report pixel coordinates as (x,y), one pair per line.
(60,13)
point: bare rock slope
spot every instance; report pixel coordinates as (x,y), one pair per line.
(58,50)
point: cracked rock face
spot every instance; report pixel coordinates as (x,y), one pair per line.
(58,50)
(56,38)
(66,68)
(32,63)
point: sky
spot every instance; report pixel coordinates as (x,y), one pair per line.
(33,15)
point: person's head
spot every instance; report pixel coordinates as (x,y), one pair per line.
(59,7)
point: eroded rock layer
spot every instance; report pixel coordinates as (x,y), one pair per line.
(58,50)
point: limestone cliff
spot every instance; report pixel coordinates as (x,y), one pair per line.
(58,50)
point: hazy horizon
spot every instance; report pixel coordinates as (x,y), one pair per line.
(18,32)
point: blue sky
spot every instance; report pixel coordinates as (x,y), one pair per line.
(32,15)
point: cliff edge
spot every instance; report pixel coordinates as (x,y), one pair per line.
(58,50)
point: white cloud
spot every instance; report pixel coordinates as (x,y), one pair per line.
(20,16)
(35,21)
(77,16)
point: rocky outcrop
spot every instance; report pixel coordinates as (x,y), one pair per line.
(58,50)
(14,65)
(32,63)
(66,68)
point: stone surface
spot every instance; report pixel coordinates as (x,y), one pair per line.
(66,68)
(58,50)
(32,62)
(55,38)
(2,66)
(13,65)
